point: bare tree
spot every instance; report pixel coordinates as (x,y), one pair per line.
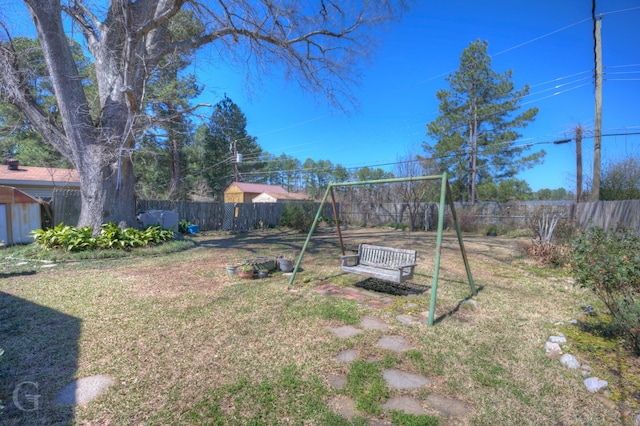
(316,44)
(414,193)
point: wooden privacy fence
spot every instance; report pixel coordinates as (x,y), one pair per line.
(609,215)
(243,216)
(209,216)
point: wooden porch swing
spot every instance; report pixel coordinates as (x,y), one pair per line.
(388,263)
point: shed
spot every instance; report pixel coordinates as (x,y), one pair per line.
(267,197)
(241,192)
(19,215)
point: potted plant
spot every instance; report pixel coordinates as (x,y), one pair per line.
(245,271)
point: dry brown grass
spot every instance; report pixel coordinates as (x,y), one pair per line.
(174,330)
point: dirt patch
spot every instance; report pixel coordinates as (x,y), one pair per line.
(200,277)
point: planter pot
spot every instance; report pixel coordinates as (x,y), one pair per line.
(231,270)
(244,274)
(286,265)
(263,274)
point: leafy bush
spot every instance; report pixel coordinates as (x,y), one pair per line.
(111,236)
(609,265)
(298,215)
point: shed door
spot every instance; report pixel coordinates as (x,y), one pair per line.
(4,238)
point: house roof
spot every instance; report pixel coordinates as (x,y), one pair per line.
(38,175)
(259,188)
(287,196)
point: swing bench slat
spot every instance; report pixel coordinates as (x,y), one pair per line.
(385,263)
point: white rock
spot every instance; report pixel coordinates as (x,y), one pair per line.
(594,384)
(552,349)
(573,321)
(570,361)
(557,339)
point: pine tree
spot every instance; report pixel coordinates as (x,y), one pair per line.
(476,132)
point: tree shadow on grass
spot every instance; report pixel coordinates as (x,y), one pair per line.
(40,357)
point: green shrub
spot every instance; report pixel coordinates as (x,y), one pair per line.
(609,265)
(298,215)
(111,236)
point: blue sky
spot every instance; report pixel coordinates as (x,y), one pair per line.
(547,44)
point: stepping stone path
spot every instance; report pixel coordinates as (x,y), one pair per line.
(83,390)
(344,332)
(349,355)
(393,343)
(448,407)
(395,379)
(405,403)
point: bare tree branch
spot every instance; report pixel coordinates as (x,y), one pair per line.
(16,91)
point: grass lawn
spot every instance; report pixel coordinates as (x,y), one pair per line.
(187,344)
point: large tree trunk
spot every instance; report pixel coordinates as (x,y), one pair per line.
(97,150)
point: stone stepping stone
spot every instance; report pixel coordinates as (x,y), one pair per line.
(447,406)
(407,319)
(347,356)
(393,343)
(373,323)
(343,405)
(397,379)
(405,403)
(345,331)
(83,390)
(337,381)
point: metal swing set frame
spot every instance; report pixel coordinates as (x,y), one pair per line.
(445,199)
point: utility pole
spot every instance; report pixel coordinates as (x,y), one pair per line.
(237,158)
(597,140)
(578,163)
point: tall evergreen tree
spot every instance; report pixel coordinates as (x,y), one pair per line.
(213,163)
(476,131)
(161,162)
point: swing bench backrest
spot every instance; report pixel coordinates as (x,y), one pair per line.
(385,263)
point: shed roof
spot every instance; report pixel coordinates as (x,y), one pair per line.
(10,195)
(287,196)
(259,188)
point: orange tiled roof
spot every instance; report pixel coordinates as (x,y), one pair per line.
(30,174)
